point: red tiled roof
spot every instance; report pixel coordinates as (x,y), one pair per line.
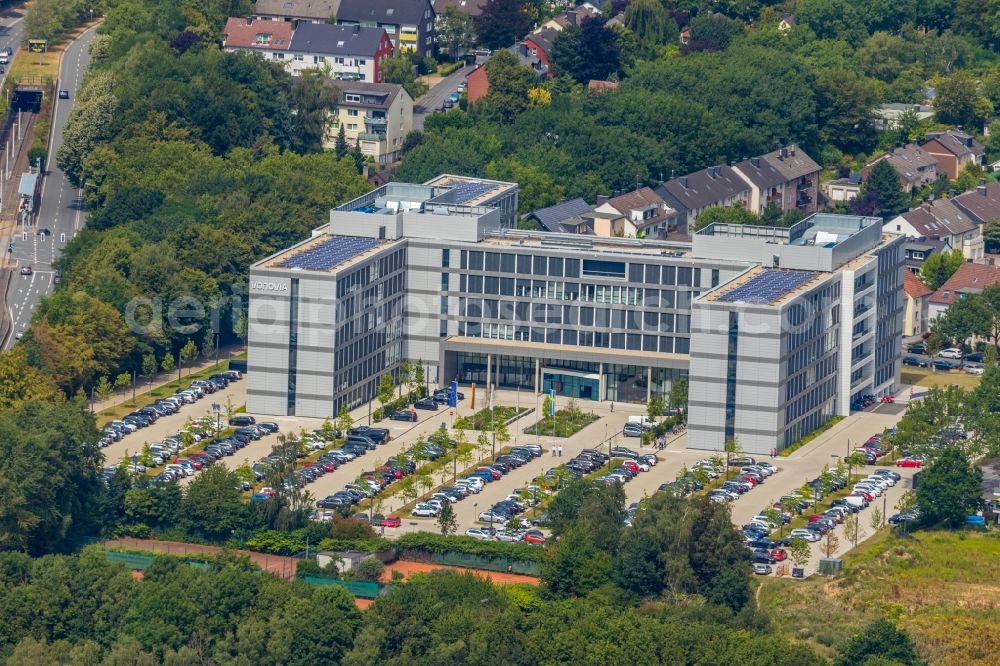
(969,278)
(914,287)
(243,32)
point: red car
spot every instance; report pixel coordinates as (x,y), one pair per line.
(778,555)
(748,479)
(814,518)
(492,472)
(533,536)
(908,462)
(392,521)
(861,493)
(197,464)
(631,466)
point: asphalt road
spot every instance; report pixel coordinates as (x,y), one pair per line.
(433,100)
(61,207)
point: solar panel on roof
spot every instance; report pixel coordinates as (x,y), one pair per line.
(467,191)
(330,253)
(767,287)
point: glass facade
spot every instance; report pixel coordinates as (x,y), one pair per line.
(626,383)
(293,342)
(571,386)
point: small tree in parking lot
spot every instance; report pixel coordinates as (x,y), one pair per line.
(418,376)
(123,381)
(446,520)
(408,489)
(482,443)
(168,364)
(149,367)
(386,387)
(733,448)
(852,529)
(344,419)
(327,431)
(146,457)
(656,407)
(405,375)
(877,519)
(799,551)
(773,517)
(502,433)
(830,544)
(189,352)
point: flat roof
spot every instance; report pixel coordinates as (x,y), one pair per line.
(763,286)
(470,191)
(324,253)
(588,243)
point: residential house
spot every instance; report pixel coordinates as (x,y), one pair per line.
(312,11)
(598,87)
(573,16)
(887,116)
(917,295)
(471,8)
(941,219)
(478,84)
(693,193)
(639,214)
(786,23)
(410,23)
(968,279)
(954,151)
(919,250)
(801,178)
(376,118)
(270,39)
(351,53)
(843,189)
(565,217)
(915,166)
(767,184)
(982,203)
(536,48)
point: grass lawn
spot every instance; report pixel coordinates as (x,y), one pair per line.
(928,378)
(565,423)
(160,392)
(481,420)
(940,586)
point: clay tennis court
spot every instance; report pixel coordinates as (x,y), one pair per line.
(276,564)
(408,568)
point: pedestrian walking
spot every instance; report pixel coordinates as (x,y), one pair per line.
(612,408)
(554,454)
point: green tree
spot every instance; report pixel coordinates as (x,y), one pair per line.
(189,352)
(959,101)
(715,30)
(91,122)
(167,365)
(650,23)
(103,389)
(679,394)
(149,366)
(502,23)
(735,214)
(344,421)
(733,448)
(123,381)
(399,70)
(312,98)
(991,230)
(799,551)
(587,51)
(656,407)
(880,640)
(940,266)
(575,566)
(446,520)
(509,83)
(949,488)
(405,376)
(454,31)
(482,443)
(883,184)
(386,387)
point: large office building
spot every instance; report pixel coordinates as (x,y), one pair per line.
(775,330)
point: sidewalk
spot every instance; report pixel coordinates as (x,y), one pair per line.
(143,386)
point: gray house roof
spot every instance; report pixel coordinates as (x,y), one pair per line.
(792,162)
(373,95)
(551,218)
(326,39)
(307,9)
(702,188)
(402,12)
(760,172)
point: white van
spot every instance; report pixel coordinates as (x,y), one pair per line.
(856,500)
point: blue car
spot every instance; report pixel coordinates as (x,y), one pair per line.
(454,97)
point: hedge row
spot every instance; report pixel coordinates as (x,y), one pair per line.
(437,543)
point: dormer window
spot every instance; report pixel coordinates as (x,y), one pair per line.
(262,38)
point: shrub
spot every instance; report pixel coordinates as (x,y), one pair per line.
(438,543)
(369,570)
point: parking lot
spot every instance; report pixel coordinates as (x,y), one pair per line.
(803,465)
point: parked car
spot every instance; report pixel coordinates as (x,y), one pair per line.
(762,569)
(392,520)
(802,533)
(915,361)
(479,533)
(951,352)
(426,403)
(404,415)
(908,462)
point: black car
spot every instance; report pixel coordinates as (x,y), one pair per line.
(919,348)
(915,361)
(404,415)
(426,403)
(269,426)
(945,364)
(242,420)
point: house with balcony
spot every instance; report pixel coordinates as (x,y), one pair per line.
(968,279)
(270,39)
(691,194)
(409,23)
(536,48)
(954,151)
(767,184)
(376,118)
(917,295)
(919,250)
(915,166)
(942,220)
(639,214)
(801,175)
(348,53)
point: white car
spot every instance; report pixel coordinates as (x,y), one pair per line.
(951,352)
(975,369)
(805,534)
(509,536)
(479,533)
(643,466)
(490,517)
(425,511)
